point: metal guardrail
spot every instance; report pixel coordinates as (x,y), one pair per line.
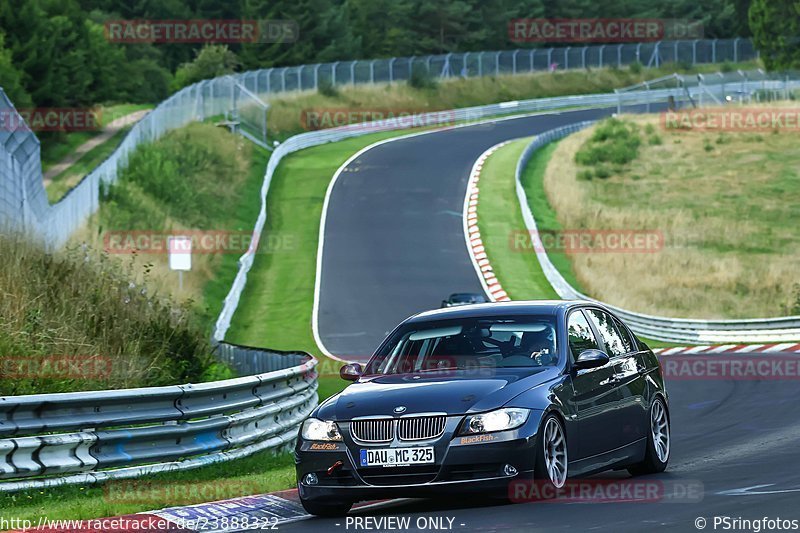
(89,437)
(654,327)
(621,99)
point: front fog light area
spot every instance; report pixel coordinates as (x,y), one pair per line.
(498,420)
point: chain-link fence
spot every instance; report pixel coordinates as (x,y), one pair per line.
(24,206)
(470,64)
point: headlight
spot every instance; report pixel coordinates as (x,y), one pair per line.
(498,420)
(314,429)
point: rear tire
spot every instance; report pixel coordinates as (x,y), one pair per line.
(656,456)
(326,510)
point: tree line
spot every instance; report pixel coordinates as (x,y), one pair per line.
(56,53)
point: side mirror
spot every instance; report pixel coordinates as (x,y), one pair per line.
(591,359)
(444,303)
(353,371)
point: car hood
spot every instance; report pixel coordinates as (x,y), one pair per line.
(456,393)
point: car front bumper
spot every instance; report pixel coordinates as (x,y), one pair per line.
(461,466)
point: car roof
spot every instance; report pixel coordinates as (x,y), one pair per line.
(529,307)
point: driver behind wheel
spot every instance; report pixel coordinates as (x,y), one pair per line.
(538,345)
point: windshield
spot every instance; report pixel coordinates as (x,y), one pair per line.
(469,344)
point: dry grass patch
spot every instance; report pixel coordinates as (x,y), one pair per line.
(725,203)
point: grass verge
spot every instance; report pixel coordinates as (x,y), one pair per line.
(276,308)
(719,204)
(503,229)
(62,183)
(257,474)
(57,146)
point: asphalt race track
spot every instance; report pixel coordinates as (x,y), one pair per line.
(394,241)
(394,246)
(738,441)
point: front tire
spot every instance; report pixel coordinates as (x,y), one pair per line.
(658,442)
(326,510)
(552,463)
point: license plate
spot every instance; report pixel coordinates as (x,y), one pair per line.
(397,456)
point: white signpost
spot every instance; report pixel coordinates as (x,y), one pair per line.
(180,255)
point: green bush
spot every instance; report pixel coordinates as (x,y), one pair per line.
(421,79)
(635,68)
(613,141)
(602,172)
(326,88)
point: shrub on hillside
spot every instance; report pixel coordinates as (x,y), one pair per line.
(421,79)
(613,141)
(72,305)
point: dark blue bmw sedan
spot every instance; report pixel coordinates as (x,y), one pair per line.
(478,397)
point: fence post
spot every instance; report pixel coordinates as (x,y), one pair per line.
(602,47)
(497,64)
(514,61)
(566,57)
(694,52)
(372,71)
(480,63)
(333,72)
(736,49)
(465,66)
(714,50)
(532,55)
(619,56)
(583,56)
(283,79)
(353,72)
(391,69)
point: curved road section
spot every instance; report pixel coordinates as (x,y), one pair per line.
(393,241)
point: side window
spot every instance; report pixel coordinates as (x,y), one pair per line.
(611,337)
(580,334)
(627,340)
